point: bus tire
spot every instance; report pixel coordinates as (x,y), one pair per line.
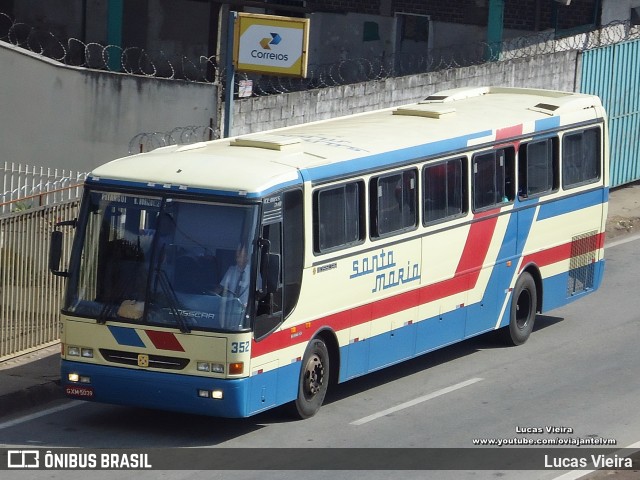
(314,379)
(523,311)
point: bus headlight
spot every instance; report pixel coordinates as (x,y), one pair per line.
(86,352)
(215,394)
(210,367)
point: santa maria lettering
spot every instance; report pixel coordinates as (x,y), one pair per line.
(384,271)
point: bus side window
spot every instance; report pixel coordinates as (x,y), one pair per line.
(581,156)
(338,219)
(393,202)
(493,178)
(444,190)
(538,167)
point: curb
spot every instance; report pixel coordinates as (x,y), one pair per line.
(30,397)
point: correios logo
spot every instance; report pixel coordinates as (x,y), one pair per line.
(266,43)
(271,44)
(274,40)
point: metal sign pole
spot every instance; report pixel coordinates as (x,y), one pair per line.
(230,76)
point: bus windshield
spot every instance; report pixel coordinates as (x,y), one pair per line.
(164,261)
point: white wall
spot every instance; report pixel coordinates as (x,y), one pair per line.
(74,118)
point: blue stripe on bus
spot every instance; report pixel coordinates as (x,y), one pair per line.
(436,332)
(191,190)
(126,336)
(555,287)
(389,159)
(573,203)
(547,123)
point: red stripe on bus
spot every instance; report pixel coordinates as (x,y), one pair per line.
(556,254)
(372,311)
(164,341)
(479,239)
(473,257)
(509,132)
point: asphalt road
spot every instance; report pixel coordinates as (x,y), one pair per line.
(577,372)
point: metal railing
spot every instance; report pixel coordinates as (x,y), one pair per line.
(30,296)
(25,187)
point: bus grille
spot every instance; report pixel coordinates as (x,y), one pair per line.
(155,361)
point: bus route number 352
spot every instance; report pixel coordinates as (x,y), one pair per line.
(239,347)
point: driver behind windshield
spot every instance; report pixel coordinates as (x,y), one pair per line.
(236,279)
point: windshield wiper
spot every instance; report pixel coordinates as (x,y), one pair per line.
(170,294)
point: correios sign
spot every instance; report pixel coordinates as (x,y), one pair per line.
(271,44)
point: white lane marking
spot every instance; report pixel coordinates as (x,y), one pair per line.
(576,474)
(42,413)
(622,241)
(416,401)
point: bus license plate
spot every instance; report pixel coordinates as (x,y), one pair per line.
(77,391)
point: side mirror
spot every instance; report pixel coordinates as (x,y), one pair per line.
(55,253)
(55,248)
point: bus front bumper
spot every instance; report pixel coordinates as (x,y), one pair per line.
(158,390)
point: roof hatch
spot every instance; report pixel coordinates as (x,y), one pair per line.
(267,141)
(426,109)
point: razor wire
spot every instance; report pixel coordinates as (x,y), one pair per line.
(147,141)
(207,69)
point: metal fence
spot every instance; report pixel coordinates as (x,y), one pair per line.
(613,73)
(25,187)
(30,296)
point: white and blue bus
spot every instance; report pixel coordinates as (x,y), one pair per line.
(228,277)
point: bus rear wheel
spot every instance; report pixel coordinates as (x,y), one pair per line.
(523,311)
(314,379)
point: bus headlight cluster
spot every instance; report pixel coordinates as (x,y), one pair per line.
(77,378)
(84,352)
(210,367)
(215,394)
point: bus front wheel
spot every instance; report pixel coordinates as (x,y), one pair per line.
(314,379)
(523,310)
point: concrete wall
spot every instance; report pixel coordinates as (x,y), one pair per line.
(617,10)
(73,118)
(553,71)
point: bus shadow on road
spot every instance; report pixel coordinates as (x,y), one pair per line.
(487,341)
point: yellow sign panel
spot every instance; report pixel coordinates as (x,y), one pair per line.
(271,44)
